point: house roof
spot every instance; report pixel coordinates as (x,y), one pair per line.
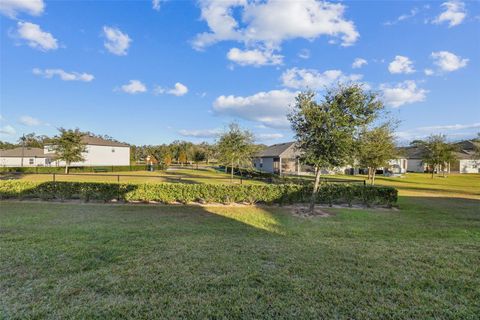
(464,150)
(27,153)
(96,141)
(274,150)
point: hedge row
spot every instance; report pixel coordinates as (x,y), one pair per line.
(77,169)
(206,193)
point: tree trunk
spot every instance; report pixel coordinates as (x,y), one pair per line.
(433,171)
(66,167)
(373,176)
(231,174)
(315,189)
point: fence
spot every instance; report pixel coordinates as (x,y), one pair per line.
(172,178)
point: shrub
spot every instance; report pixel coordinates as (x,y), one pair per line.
(208,193)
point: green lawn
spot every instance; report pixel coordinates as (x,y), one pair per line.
(136,261)
(187,175)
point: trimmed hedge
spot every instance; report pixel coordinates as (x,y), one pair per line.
(205,193)
(78,169)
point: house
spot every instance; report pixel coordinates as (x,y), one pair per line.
(99,152)
(466,161)
(25,157)
(284,158)
(398,165)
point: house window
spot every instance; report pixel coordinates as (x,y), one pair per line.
(31,161)
(261,163)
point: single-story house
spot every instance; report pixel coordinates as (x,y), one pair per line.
(465,154)
(284,158)
(99,152)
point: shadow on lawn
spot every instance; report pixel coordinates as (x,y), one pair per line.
(11,175)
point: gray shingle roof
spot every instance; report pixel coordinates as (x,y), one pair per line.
(274,150)
(27,153)
(95,141)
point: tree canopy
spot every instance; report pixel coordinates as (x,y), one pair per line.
(68,146)
(326,131)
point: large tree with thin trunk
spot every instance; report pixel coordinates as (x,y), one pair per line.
(376,146)
(326,131)
(236,147)
(69,147)
(438,154)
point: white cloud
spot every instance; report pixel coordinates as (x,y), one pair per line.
(65,76)
(8,130)
(270,23)
(268,108)
(268,136)
(403,17)
(156,4)
(116,41)
(304,54)
(405,92)
(36,37)
(11,8)
(133,87)
(313,79)
(254,57)
(358,63)
(452,130)
(428,72)
(448,61)
(29,121)
(454,13)
(207,133)
(401,64)
(178,90)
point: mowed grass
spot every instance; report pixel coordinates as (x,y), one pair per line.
(201,175)
(66,260)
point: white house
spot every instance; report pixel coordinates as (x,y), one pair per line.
(465,154)
(99,152)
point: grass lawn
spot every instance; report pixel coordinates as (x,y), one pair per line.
(136,261)
(187,175)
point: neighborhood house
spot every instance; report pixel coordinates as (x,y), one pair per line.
(465,162)
(99,152)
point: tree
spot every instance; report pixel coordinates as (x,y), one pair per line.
(182,157)
(68,146)
(236,147)
(437,153)
(4,145)
(198,155)
(325,132)
(375,148)
(32,141)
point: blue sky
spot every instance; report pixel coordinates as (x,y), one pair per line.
(151,72)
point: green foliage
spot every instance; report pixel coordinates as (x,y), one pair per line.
(205,193)
(375,148)
(325,132)
(236,147)
(68,146)
(438,153)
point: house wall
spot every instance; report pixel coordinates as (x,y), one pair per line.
(267,164)
(469,166)
(99,156)
(415,165)
(399,165)
(17,161)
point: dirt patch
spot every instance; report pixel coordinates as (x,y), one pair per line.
(304,212)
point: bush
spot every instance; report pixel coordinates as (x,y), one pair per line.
(206,193)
